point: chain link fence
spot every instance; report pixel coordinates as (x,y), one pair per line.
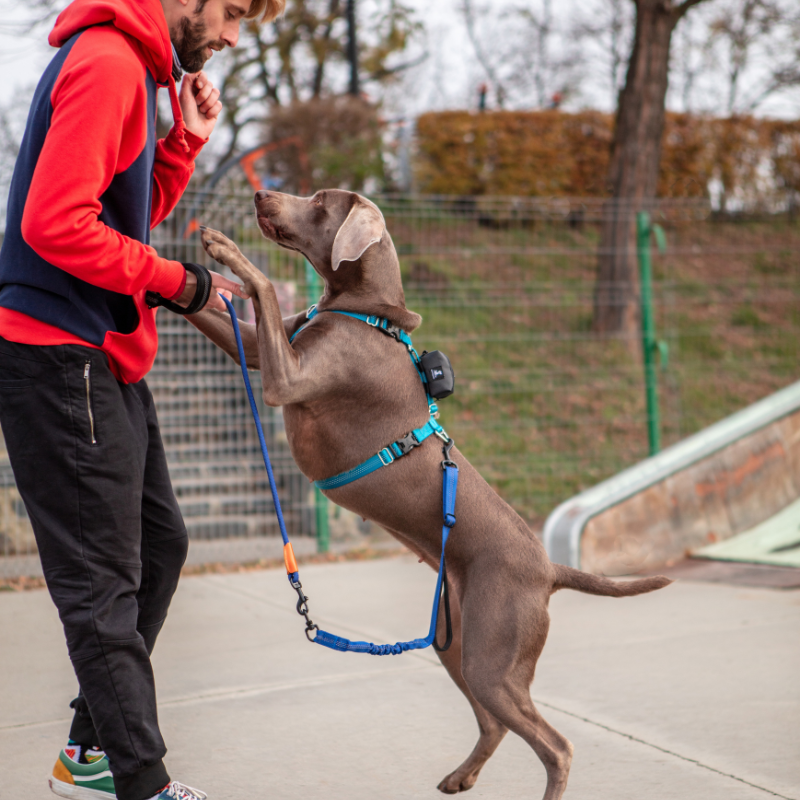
(544,405)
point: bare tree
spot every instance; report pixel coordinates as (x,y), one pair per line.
(692,64)
(303,55)
(538,58)
(605,34)
(12,125)
(488,62)
(757,46)
(527,52)
(634,163)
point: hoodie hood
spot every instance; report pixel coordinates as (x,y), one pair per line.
(142,19)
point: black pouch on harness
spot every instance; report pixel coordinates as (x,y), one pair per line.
(439,373)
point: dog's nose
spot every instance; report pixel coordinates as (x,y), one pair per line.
(263,194)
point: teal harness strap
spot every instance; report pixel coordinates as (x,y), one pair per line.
(401,447)
(386,456)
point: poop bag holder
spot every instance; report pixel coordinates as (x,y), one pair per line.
(439,374)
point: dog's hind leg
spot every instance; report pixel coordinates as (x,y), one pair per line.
(502,644)
(491,731)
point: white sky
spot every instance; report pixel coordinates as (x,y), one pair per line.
(448,78)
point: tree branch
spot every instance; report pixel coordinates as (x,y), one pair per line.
(469,18)
(685,6)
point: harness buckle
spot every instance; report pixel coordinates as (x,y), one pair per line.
(311,310)
(392,330)
(407,443)
(389,455)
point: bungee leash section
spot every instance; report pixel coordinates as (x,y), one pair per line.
(449,488)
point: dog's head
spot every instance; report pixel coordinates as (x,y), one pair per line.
(344,237)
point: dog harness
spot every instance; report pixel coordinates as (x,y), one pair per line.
(395,450)
(403,446)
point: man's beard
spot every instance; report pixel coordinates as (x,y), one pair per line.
(192,44)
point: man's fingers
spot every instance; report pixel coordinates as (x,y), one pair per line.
(214,111)
(211,100)
(221,282)
(187,87)
(216,302)
(203,94)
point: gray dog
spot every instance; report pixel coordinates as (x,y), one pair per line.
(347,392)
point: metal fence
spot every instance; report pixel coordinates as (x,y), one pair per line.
(544,407)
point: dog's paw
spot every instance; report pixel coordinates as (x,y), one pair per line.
(457,782)
(220,247)
(224,251)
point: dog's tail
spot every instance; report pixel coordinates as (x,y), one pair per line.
(569,578)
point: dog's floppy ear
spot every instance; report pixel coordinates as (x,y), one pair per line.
(363,227)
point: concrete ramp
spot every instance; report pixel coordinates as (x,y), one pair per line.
(693,498)
(775,541)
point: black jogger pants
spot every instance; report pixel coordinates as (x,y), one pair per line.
(89,464)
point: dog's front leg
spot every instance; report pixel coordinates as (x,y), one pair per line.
(288,375)
(216,325)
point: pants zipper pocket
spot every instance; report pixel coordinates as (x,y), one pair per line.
(87,379)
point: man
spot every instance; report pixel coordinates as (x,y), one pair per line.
(77,337)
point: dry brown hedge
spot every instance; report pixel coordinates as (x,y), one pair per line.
(552,153)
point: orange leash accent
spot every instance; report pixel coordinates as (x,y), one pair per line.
(289,559)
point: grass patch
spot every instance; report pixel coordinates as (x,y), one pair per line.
(544,408)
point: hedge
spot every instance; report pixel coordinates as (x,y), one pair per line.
(552,153)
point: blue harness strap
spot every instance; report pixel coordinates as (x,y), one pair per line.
(391,453)
(345,645)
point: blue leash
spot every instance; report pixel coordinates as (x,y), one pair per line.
(449,488)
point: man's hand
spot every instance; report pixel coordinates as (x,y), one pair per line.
(219,283)
(200,104)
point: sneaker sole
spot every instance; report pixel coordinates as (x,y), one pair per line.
(77,792)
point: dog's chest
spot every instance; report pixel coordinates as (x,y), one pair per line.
(375,400)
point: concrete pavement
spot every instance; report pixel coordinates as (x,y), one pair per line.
(691,692)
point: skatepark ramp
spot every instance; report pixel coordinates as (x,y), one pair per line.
(737,478)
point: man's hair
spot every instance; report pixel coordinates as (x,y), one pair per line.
(266,9)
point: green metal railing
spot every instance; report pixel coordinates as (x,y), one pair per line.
(651,347)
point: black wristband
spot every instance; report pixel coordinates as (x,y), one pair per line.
(201,294)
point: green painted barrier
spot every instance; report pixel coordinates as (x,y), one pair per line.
(645,231)
(313,290)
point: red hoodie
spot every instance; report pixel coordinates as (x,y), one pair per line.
(81,180)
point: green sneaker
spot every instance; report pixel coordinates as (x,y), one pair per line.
(178,791)
(91,781)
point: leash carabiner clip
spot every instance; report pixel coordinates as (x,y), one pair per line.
(302,609)
(446,451)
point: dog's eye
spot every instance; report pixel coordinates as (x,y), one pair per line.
(318,200)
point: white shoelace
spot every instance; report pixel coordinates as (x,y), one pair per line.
(181,792)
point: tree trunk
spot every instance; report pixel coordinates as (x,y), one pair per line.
(352,48)
(633,168)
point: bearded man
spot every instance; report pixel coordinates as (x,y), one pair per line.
(78,282)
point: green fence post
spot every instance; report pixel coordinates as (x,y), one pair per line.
(644,231)
(313,290)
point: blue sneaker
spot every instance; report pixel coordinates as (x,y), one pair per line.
(82,781)
(177,791)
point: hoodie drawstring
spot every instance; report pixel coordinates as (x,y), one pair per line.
(177,114)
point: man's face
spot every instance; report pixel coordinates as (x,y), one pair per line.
(207,26)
